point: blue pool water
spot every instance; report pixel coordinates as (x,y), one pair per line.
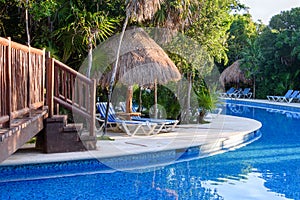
(267,169)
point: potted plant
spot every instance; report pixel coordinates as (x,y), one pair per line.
(207,101)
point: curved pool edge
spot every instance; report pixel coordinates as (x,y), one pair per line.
(186,143)
(294,107)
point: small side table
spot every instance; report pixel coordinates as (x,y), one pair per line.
(127,116)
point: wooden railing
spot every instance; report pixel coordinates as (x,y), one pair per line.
(21,80)
(23,71)
(72,90)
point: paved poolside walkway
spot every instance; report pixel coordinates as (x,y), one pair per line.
(223,133)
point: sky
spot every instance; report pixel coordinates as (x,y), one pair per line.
(265,9)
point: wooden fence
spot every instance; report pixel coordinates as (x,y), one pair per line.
(72,90)
(21,80)
(23,71)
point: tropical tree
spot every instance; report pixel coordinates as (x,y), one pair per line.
(205,24)
(138,10)
(251,59)
(280,46)
(192,60)
(23,19)
(241,31)
(85,26)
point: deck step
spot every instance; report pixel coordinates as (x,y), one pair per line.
(73,127)
(62,137)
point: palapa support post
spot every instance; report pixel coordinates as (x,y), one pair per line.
(155,99)
(129,96)
(140,99)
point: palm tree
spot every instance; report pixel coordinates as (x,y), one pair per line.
(178,14)
(252,57)
(137,10)
(91,27)
(83,26)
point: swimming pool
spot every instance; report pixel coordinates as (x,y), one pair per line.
(266,169)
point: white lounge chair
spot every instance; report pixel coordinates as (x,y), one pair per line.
(289,99)
(165,125)
(227,94)
(277,98)
(130,127)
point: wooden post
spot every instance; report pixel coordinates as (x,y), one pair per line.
(93,107)
(56,85)
(50,84)
(43,77)
(29,81)
(8,85)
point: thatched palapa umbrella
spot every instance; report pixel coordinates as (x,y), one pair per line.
(233,74)
(141,61)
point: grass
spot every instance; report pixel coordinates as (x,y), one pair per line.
(104,137)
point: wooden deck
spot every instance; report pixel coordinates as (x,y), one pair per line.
(21,130)
(32,87)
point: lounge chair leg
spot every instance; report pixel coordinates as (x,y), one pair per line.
(137,128)
(160,128)
(124,127)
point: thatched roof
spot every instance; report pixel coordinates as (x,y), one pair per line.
(141,61)
(233,74)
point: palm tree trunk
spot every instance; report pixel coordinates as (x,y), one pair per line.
(90,57)
(114,72)
(188,101)
(187,104)
(27,24)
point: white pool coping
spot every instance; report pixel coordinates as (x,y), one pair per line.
(265,101)
(223,133)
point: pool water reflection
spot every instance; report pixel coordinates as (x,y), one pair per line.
(269,168)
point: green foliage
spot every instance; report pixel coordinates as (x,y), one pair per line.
(64,27)
(207,98)
(82,25)
(43,8)
(57,23)
(104,137)
(210,30)
(10,21)
(166,99)
(252,57)
(279,44)
(32,141)
(241,31)
(189,56)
